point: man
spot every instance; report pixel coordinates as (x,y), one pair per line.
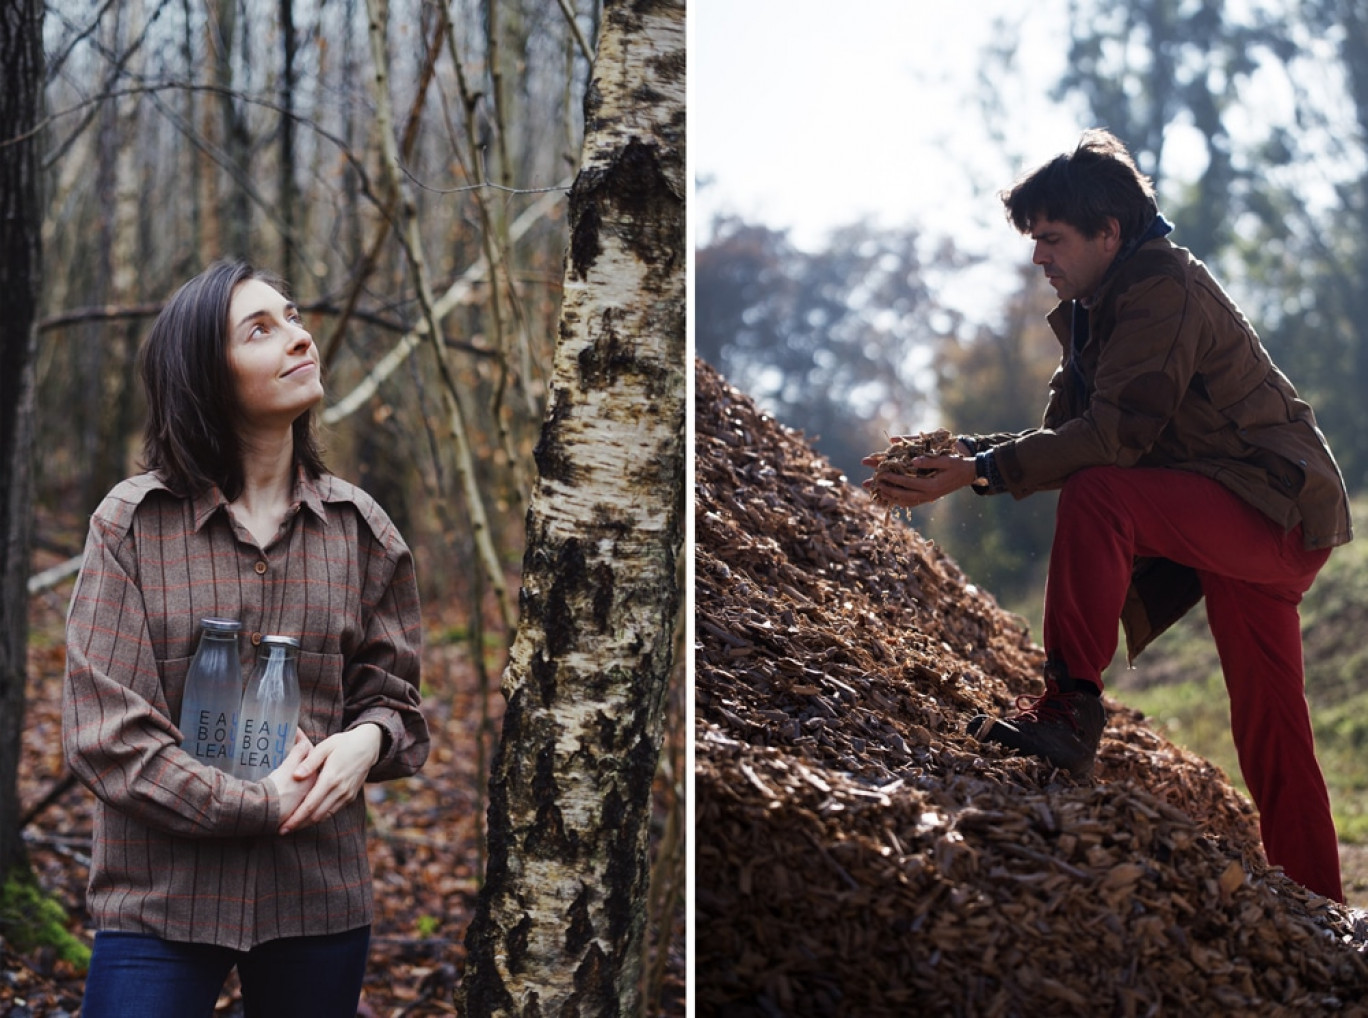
(1188,467)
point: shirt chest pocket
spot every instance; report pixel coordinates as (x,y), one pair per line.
(172,691)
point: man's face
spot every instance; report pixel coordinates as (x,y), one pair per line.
(1073,264)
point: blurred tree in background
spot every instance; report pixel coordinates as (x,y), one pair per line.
(1253,121)
(830,342)
(996,381)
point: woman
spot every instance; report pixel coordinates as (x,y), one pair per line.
(194,871)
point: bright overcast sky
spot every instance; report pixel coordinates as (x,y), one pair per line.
(810,115)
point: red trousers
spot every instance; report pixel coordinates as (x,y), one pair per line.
(1253,576)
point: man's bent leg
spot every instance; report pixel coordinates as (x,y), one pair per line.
(1107,516)
(1258,636)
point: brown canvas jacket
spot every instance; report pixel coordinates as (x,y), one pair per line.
(184,851)
(1172,375)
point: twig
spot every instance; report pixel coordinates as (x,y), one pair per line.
(64,845)
(54,575)
(1041,857)
(56,792)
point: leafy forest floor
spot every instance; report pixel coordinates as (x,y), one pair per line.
(424,842)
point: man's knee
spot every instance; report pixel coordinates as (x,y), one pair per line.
(1088,489)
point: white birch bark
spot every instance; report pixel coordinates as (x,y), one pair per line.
(560,922)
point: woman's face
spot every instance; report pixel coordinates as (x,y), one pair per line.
(272,357)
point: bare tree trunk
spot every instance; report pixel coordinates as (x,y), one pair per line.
(21,97)
(234,210)
(189,261)
(560,921)
(90,360)
(288,193)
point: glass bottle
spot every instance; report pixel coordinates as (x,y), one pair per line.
(270,709)
(213,691)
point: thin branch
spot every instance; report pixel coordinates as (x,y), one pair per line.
(458,290)
(119,61)
(569,13)
(134,312)
(59,789)
(496,254)
(340,143)
(58,58)
(483,185)
(371,256)
(106,313)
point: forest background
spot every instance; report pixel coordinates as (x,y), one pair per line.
(176,132)
(1252,120)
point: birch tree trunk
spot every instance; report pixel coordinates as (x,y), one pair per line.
(21,98)
(559,925)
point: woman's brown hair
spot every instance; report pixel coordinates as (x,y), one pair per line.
(191,436)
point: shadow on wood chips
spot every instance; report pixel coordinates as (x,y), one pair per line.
(858,854)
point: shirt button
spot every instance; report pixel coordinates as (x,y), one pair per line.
(260,568)
(256,639)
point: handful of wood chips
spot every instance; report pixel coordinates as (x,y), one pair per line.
(898,457)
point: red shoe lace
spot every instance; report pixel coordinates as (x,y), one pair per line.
(1041,709)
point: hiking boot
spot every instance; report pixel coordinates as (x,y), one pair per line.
(1063,726)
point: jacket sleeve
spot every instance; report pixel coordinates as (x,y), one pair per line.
(117,734)
(1054,412)
(382,676)
(1144,368)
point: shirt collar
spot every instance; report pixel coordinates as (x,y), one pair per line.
(306,494)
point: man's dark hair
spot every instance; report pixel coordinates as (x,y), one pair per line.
(1083,188)
(191,438)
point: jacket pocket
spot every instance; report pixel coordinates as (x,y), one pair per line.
(1277,438)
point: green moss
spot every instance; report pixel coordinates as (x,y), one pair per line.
(30,919)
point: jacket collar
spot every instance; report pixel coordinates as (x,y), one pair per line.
(1158,227)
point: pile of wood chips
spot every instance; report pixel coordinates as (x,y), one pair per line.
(858,854)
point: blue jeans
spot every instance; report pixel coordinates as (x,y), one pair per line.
(136,974)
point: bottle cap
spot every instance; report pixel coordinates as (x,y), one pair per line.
(280,641)
(221,625)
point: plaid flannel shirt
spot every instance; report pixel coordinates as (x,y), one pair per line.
(182,850)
